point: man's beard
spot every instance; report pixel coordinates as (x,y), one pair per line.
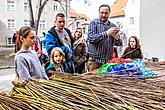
(103,19)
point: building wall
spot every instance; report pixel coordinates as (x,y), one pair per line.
(132,13)
(20,15)
(152,31)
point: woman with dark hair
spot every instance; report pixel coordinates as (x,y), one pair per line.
(26,60)
(133,50)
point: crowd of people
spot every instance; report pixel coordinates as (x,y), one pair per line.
(71,53)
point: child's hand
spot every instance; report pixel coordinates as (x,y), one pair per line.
(57,72)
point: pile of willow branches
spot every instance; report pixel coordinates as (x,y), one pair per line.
(7,103)
(88,92)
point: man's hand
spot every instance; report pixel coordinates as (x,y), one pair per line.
(116,36)
(112,32)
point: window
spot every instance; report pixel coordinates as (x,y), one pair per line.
(10,41)
(55,7)
(131,20)
(11,5)
(42,24)
(77,24)
(11,23)
(26,7)
(27,22)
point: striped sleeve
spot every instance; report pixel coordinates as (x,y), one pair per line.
(95,34)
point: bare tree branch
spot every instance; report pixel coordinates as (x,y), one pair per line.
(41,5)
(31,14)
(40,9)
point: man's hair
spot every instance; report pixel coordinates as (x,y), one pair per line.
(105,5)
(60,15)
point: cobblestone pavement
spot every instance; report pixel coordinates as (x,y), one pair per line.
(7,74)
(6,78)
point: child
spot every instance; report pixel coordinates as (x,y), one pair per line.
(57,64)
(26,60)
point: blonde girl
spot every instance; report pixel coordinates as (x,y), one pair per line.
(57,63)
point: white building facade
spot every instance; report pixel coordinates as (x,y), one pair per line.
(145,19)
(15,13)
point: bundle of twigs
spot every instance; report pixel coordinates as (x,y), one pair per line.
(7,103)
(91,92)
(139,94)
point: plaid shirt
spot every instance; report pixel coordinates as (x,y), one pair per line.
(100,46)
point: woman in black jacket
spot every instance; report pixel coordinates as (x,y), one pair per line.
(133,51)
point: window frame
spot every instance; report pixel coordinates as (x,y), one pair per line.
(132,20)
(11,5)
(11,24)
(42,24)
(78,24)
(26,22)
(9,41)
(26,6)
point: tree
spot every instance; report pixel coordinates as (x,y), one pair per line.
(40,6)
